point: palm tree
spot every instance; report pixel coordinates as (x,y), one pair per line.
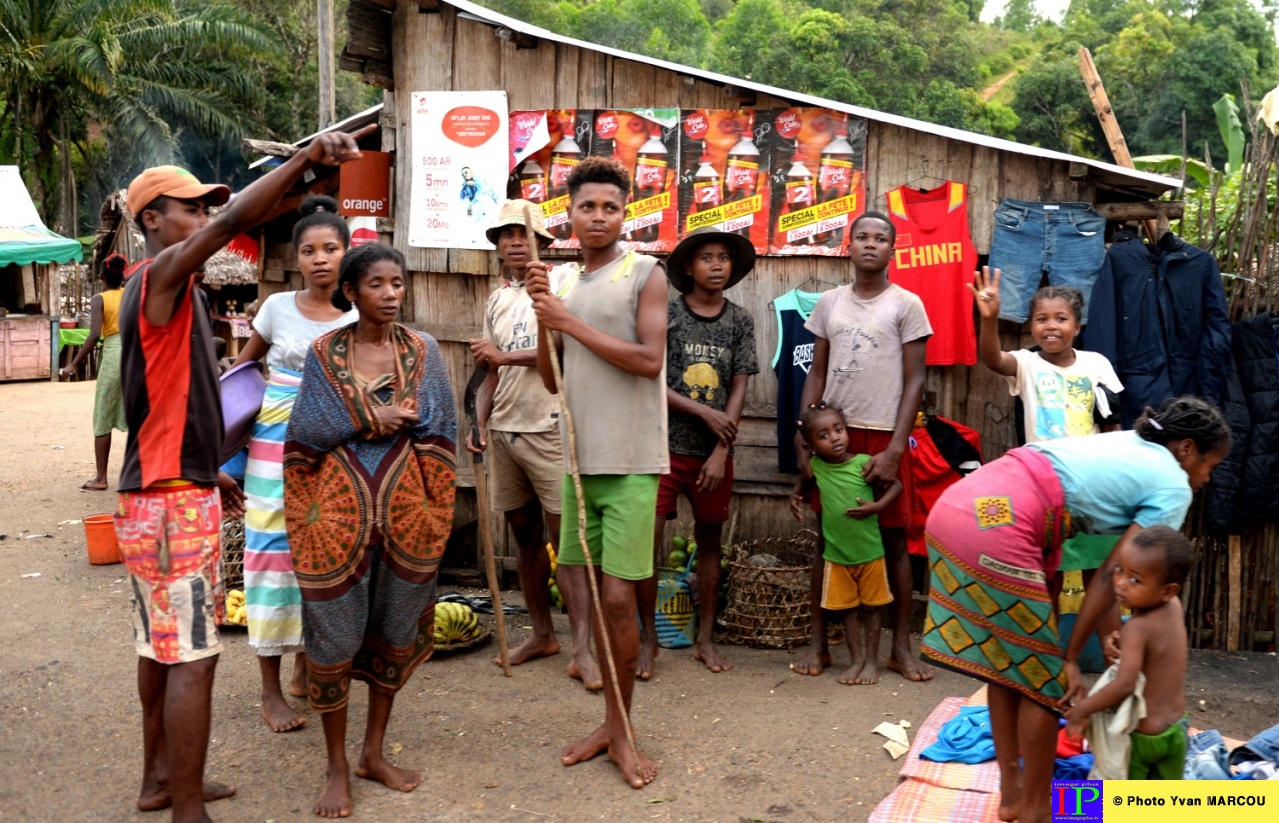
(136,72)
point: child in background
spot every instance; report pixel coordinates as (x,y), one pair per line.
(854,582)
(1153,652)
(1057,384)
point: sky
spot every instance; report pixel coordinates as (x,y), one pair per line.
(1050,9)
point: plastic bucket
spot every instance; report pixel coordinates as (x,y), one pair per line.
(99,533)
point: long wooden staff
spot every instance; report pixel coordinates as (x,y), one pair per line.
(548,340)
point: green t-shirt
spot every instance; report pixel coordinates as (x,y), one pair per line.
(849,541)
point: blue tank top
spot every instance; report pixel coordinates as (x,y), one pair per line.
(791,361)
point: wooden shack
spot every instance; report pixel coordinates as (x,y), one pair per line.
(425,45)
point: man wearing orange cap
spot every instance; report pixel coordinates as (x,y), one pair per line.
(168,518)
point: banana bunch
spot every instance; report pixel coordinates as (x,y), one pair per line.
(455,623)
(557,599)
(235,608)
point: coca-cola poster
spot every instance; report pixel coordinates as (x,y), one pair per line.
(818,180)
(724,182)
(459,162)
(647,143)
(546,144)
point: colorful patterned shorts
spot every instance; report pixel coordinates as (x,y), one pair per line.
(168,538)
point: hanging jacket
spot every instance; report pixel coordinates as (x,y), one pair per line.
(1159,316)
(1245,486)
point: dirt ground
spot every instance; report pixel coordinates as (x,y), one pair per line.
(756,744)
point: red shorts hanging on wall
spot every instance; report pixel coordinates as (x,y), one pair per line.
(934,258)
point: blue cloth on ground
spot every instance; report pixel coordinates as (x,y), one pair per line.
(1073,768)
(966,738)
(1265,746)
(1206,757)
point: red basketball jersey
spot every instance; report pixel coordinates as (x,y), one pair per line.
(934,258)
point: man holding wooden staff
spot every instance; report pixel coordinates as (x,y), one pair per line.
(521,419)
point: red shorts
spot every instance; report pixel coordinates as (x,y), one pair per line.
(708,507)
(872,442)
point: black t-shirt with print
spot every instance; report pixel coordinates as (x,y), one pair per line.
(703,354)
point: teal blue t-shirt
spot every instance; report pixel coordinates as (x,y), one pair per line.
(849,541)
(1116,479)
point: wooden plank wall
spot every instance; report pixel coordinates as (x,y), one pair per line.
(441,51)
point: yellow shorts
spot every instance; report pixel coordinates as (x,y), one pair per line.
(847,587)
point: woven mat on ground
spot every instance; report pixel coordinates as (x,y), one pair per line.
(982,777)
(942,792)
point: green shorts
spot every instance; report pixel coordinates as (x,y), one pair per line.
(620,512)
(1160,756)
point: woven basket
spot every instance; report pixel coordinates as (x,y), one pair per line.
(233,553)
(771,607)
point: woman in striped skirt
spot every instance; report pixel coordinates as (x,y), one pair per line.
(283,331)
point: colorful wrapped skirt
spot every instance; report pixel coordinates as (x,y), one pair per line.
(993,540)
(108,399)
(271,593)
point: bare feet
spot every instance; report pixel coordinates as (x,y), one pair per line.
(154,799)
(381,770)
(861,673)
(813,662)
(335,800)
(647,656)
(709,655)
(279,715)
(587,671)
(910,668)
(532,649)
(297,686)
(94,486)
(579,751)
(636,769)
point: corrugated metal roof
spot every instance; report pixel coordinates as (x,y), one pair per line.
(1108,173)
(355,121)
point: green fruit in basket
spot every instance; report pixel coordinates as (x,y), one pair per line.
(678,559)
(555,592)
(679,542)
(723,564)
(692,546)
(692,565)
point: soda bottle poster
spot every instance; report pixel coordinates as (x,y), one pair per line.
(724,179)
(818,180)
(545,145)
(647,142)
(460,160)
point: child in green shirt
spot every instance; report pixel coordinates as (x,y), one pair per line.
(853,580)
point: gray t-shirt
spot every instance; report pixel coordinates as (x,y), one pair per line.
(289,333)
(619,417)
(865,374)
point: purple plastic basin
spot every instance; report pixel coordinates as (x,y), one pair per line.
(242,391)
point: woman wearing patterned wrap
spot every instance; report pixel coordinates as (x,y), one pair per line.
(368,494)
(995,537)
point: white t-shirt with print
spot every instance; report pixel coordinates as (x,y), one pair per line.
(290,333)
(1059,402)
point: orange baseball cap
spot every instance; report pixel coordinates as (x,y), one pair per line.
(172,181)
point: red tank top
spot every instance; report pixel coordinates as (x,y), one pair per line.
(934,258)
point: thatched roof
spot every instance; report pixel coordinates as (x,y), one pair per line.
(225,268)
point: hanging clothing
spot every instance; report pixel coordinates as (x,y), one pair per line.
(1245,487)
(1110,731)
(791,362)
(942,452)
(1159,316)
(934,257)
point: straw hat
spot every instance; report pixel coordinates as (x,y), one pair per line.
(739,248)
(513,215)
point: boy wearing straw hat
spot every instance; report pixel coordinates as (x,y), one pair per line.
(519,418)
(710,356)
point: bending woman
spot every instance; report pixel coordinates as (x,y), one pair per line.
(368,493)
(995,538)
(108,402)
(285,327)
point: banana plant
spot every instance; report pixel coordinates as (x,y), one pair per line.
(1232,134)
